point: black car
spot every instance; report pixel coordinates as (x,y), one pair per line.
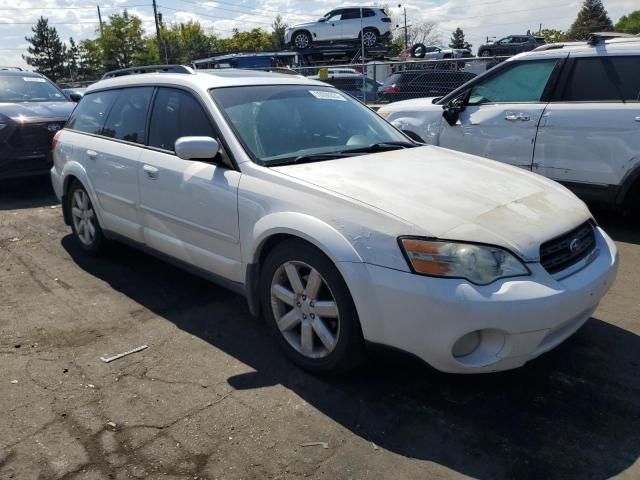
(421,83)
(511,45)
(32,110)
(353,85)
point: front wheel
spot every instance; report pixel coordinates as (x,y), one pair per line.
(301,40)
(485,53)
(309,309)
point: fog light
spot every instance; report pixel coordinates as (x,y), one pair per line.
(466,345)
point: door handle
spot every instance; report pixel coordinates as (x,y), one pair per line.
(517,117)
(150,172)
(92,154)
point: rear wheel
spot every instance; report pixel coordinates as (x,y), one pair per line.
(485,53)
(369,38)
(309,309)
(84,221)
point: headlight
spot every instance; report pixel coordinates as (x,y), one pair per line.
(480,264)
(384,114)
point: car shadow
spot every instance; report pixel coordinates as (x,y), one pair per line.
(573,413)
(27,192)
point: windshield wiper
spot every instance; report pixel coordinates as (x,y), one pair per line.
(377,147)
(312,157)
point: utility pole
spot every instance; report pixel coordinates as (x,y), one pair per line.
(406,32)
(155,16)
(100,19)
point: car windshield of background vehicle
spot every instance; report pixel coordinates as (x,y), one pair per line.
(282,123)
(524,82)
(28,89)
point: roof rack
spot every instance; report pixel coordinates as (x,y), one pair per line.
(599,37)
(17,69)
(148,69)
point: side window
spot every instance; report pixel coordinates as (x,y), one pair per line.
(524,82)
(335,15)
(367,12)
(351,14)
(128,117)
(176,114)
(90,114)
(612,79)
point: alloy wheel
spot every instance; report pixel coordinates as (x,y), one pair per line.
(301,40)
(369,39)
(83,217)
(305,309)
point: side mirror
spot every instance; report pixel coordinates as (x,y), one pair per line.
(193,148)
(75,97)
(453,109)
(322,19)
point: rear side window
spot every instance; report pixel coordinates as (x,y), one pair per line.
(604,79)
(92,111)
(176,114)
(128,116)
(524,82)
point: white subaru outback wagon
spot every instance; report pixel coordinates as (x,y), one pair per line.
(336,227)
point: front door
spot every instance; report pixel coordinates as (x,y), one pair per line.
(501,117)
(331,29)
(189,208)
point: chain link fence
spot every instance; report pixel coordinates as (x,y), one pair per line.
(387,81)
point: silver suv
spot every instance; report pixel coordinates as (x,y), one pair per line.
(342,24)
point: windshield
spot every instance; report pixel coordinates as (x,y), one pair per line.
(28,89)
(281,123)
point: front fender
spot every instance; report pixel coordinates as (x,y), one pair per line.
(427,125)
(309,228)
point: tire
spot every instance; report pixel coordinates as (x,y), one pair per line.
(418,50)
(485,53)
(322,339)
(369,38)
(84,221)
(301,40)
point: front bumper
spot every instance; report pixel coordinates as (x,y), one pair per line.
(515,319)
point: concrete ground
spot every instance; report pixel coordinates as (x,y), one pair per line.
(213,398)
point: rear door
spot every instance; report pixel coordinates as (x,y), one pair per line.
(502,114)
(117,121)
(189,207)
(590,134)
(350,24)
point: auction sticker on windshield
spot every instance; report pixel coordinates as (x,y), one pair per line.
(327,95)
(34,79)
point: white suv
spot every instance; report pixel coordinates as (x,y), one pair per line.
(570,112)
(332,223)
(342,24)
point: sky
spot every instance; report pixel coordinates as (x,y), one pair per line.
(479,19)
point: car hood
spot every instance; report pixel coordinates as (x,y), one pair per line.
(37,111)
(302,25)
(451,195)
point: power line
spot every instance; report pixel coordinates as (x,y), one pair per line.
(216,17)
(76,8)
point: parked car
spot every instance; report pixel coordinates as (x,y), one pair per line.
(511,45)
(357,85)
(342,24)
(570,112)
(421,83)
(434,52)
(336,227)
(69,93)
(32,109)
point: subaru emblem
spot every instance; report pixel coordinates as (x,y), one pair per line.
(574,246)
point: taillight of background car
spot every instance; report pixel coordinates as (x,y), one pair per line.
(391,89)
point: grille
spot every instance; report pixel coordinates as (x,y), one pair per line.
(32,136)
(564,251)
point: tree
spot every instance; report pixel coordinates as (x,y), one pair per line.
(458,41)
(629,23)
(73,57)
(46,52)
(89,60)
(277,37)
(184,42)
(553,36)
(424,32)
(121,41)
(592,17)
(257,39)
